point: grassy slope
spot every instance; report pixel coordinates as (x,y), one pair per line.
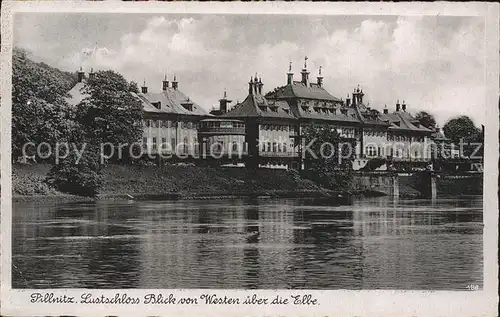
(183,180)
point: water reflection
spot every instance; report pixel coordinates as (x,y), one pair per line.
(373,244)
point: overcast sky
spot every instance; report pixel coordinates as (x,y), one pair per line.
(433,63)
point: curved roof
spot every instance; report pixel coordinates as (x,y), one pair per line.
(171,101)
(403,121)
(300,90)
(255,105)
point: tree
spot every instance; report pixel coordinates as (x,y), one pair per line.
(461,129)
(328,162)
(39,111)
(110,113)
(426,119)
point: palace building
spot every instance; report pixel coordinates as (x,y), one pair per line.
(266,129)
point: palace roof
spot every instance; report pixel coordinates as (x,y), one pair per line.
(172,101)
(169,100)
(404,121)
(370,116)
(256,105)
(300,90)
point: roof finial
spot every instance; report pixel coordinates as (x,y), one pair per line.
(144,82)
(403,102)
(225,94)
(165,78)
(175,77)
(305,62)
(91,69)
(81,68)
(320,70)
(290,67)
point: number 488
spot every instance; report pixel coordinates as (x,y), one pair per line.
(473,287)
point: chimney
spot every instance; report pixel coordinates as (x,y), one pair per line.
(144,88)
(175,83)
(397,106)
(165,83)
(320,78)
(305,73)
(403,106)
(289,75)
(354,97)
(260,84)
(386,111)
(91,74)
(250,86)
(81,74)
(223,103)
(348,101)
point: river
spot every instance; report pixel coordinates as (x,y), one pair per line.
(379,243)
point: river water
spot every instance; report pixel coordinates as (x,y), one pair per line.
(378,243)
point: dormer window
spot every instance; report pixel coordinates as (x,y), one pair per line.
(274,109)
(305,108)
(287,111)
(188,106)
(157,104)
(263,108)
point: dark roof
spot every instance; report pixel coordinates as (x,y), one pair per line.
(171,101)
(300,90)
(370,116)
(255,105)
(404,121)
(336,114)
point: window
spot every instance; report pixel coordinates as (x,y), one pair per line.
(148,123)
(263,147)
(284,147)
(164,143)
(144,143)
(279,147)
(172,144)
(274,146)
(185,145)
(235,146)
(154,143)
(371,151)
(268,146)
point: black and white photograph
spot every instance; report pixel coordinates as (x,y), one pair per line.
(249,152)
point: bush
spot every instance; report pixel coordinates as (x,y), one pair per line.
(78,175)
(30,184)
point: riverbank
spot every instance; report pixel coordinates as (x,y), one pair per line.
(172,182)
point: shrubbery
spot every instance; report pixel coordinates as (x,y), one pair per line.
(31,184)
(78,175)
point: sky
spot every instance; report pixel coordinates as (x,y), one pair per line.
(433,63)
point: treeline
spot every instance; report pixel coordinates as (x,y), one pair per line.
(45,126)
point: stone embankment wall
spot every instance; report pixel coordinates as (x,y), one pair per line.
(418,184)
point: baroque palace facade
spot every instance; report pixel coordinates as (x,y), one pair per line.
(266,129)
